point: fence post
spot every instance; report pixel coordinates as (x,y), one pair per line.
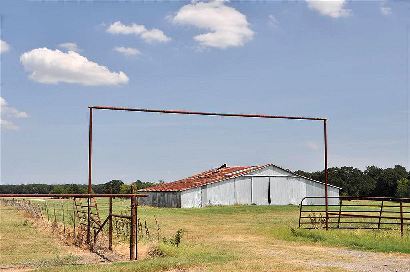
(300,210)
(62,207)
(89,222)
(136,228)
(380,215)
(401,219)
(74,215)
(340,212)
(48,215)
(133,229)
(110,224)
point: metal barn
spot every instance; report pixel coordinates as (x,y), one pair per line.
(238,185)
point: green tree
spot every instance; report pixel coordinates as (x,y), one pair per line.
(403,188)
(125,189)
(113,186)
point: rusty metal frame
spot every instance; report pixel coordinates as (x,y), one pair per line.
(377,211)
(183,112)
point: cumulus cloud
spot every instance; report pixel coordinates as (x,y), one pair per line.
(127,51)
(53,66)
(8,113)
(70,46)
(331,8)
(4,46)
(228,27)
(148,35)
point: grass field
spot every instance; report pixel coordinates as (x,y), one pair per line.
(22,244)
(251,238)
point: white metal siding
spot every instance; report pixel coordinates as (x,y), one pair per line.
(221,193)
(270,171)
(254,189)
(278,192)
(318,189)
(243,189)
(191,198)
(260,190)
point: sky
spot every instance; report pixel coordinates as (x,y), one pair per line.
(347,61)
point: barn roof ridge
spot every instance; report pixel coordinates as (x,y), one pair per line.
(215,175)
(211,176)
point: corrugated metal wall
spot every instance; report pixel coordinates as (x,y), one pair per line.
(243,190)
(161,199)
(191,198)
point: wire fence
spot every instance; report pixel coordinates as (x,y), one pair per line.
(86,222)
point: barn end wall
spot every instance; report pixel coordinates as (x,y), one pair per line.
(191,198)
(161,199)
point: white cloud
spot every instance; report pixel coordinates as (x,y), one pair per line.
(53,66)
(148,35)
(127,51)
(385,9)
(272,21)
(312,146)
(331,8)
(4,46)
(228,27)
(70,46)
(7,113)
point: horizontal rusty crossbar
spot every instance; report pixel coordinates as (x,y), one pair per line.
(74,195)
(358,214)
(207,113)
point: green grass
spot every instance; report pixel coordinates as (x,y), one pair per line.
(22,244)
(240,238)
(175,258)
(268,221)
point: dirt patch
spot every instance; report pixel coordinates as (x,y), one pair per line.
(347,259)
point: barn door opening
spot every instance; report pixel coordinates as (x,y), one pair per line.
(269,199)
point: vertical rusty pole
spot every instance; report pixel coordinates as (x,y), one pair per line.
(401,219)
(110,224)
(380,215)
(90,141)
(340,212)
(74,209)
(133,229)
(326,174)
(136,228)
(300,211)
(89,221)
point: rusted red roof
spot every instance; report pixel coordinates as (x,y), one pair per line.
(204,178)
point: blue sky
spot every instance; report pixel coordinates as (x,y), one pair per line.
(347,61)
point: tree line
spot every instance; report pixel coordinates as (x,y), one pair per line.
(113,186)
(373,181)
